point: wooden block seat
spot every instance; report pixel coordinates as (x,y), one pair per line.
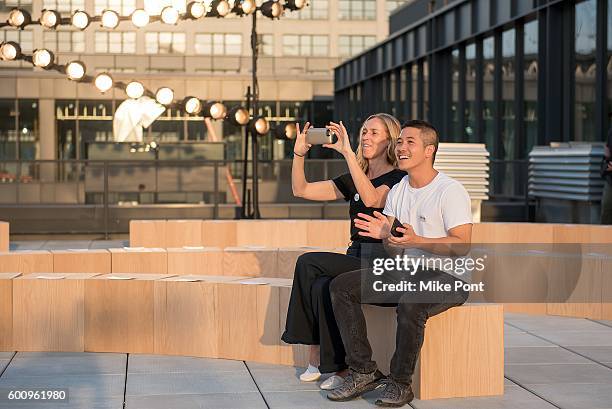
(139,260)
(26,261)
(195,260)
(148,233)
(180,233)
(252,261)
(48,312)
(6,310)
(119,310)
(81,261)
(4,236)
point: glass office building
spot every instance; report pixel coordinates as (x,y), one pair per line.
(508,73)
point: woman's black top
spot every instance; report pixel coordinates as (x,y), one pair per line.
(345,185)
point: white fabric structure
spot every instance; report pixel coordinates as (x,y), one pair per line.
(132,116)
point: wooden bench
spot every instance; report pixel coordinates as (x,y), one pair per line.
(26,262)
(6,310)
(82,261)
(4,236)
(237,318)
(48,314)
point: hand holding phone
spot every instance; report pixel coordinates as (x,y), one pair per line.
(396,224)
(319,136)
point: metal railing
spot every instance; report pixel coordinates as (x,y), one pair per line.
(106,185)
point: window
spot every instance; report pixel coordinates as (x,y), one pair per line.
(507,146)
(456,79)
(585,46)
(305,45)
(7,5)
(23,38)
(64,6)
(116,42)
(18,122)
(218,44)
(530,87)
(488,104)
(65,41)
(609,65)
(316,10)
(354,44)
(470,93)
(265,44)
(392,5)
(165,43)
(154,7)
(123,7)
(357,10)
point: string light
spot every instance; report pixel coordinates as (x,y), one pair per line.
(103,82)
(50,19)
(272,9)
(260,125)
(140,18)
(43,58)
(81,20)
(134,89)
(10,51)
(238,116)
(196,10)
(19,18)
(164,96)
(193,105)
(170,15)
(110,19)
(214,110)
(75,70)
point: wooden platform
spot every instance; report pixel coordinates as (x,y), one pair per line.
(4,236)
(233,318)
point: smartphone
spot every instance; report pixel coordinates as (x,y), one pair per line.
(319,136)
(396,224)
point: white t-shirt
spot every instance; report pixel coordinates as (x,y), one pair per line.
(431,210)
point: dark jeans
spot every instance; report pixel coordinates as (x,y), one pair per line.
(310,316)
(346,295)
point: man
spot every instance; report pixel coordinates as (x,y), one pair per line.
(435,213)
(606,173)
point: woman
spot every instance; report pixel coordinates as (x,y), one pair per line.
(372,173)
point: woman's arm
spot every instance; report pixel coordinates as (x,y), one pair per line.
(324,190)
(370,195)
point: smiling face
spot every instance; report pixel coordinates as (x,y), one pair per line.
(411,150)
(374,138)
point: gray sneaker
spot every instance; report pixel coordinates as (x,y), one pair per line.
(355,385)
(395,394)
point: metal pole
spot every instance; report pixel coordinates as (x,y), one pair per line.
(255,100)
(245,207)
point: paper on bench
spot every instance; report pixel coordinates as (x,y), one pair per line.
(193,247)
(134,248)
(120,277)
(51,277)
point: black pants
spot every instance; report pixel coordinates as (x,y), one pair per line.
(310,316)
(346,295)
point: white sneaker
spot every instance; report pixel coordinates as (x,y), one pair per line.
(332,382)
(311,374)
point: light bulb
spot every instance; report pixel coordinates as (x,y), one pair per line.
(134,90)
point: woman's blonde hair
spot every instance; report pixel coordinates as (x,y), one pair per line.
(393,128)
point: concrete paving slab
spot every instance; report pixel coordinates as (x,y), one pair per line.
(604,322)
(312,400)
(79,386)
(576,396)
(27,245)
(189,383)
(249,400)
(537,324)
(559,373)
(514,397)
(509,329)
(3,364)
(181,364)
(599,354)
(109,244)
(115,402)
(85,364)
(542,355)
(579,338)
(524,340)
(6,355)
(66,244)
(281,379)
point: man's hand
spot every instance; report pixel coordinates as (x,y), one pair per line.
(377,227)
(408,238)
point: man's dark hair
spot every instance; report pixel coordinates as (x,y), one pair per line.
(429,133)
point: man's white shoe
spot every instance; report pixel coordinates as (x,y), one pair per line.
(332,382)
(311,374)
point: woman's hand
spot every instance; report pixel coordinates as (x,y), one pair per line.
(343,144)
(301,147)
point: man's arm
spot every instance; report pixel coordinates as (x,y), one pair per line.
(457,243)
